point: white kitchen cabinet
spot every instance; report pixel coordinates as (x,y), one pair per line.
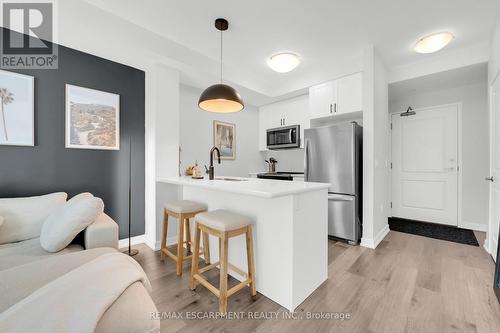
(290,112)
(340,96)
(349,93)
(322,100)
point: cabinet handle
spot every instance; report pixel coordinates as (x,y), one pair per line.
(335,107)
(284,123)
(331,108)
(281,122)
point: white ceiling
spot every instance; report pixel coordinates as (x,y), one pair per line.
(439,81)
(327,34)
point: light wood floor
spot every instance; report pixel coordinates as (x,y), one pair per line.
(409,284)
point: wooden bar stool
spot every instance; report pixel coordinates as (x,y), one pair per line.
(223,224)
(183,210)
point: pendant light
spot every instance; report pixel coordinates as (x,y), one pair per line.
(220,97)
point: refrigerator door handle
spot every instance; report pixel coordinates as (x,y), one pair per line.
(340,197)
(306,160)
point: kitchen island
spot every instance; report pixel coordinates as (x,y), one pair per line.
(290,230)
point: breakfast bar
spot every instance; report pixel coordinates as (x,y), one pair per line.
(290,228)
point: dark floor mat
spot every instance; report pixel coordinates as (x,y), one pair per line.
(437,231)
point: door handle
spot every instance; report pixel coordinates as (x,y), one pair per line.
(333,197)
(491,179)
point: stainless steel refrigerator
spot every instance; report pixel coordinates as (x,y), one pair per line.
(333,154)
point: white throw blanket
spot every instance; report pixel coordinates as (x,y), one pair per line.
(76,301)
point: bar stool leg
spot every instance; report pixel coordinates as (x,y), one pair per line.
(223,274)
(206,248)
(164,235)
(188,236)
(250,260)
(180,245)
(196,254)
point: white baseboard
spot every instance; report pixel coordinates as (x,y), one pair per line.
(373,243)
(486,246)
(155,245)
(141,239)
(473,226)
(134,241)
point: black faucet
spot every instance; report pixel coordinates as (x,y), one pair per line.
(211,168)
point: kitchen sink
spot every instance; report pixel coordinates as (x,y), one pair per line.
(229,179)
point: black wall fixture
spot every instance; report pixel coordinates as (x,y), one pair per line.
(50,167)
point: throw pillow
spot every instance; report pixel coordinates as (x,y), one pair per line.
(62,226)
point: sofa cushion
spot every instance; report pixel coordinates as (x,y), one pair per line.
(62,226)
(20,253)
(131,312)
(23,217)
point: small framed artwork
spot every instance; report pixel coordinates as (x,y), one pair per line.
(92,119)
(17,110)
(224,139)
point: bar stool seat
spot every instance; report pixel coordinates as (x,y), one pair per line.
(185,206)
(183,210)
(224,225)
(223,220)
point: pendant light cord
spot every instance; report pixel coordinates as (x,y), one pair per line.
(221,56)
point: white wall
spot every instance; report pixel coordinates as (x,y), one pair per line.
(375,155)
(494,63)
(162,131)
(493,72)
(381,152)
(288,160)
(475,143)
(196,136)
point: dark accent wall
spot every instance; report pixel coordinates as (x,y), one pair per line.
(50,167)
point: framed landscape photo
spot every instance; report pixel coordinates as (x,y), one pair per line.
(17,109)
(92,119)
(224,139)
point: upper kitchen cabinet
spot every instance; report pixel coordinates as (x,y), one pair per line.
(290,112)
(336,97)
(323,99)
(349,93)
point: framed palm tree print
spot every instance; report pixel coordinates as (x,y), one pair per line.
(16,109)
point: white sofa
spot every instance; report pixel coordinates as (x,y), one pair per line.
(23,220)
(25,266)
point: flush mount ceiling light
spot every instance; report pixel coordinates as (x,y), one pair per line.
(220,97)
(434,42)
(283,62)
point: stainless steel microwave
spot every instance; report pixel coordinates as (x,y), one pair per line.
(283,137)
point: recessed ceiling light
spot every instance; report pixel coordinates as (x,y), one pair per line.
(434,42)
(283,62)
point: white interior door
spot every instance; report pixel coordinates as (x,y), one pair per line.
(425,165)
(495,168)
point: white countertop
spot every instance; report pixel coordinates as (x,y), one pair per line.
(266,188)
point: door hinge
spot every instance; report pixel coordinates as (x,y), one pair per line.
(391,165)
(391,204)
